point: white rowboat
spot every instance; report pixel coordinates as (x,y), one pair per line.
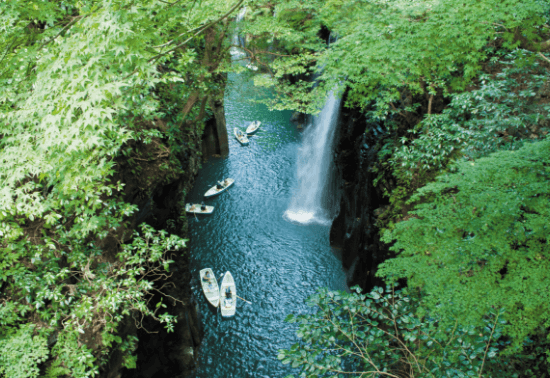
(228,305)
(213,191)
(196,208)
(241,137)
(253,127)
(210,286)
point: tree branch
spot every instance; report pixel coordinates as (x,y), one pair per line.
(166,2)
(73,21)
(253,53)
(545,58)
(201,29)
(488,343)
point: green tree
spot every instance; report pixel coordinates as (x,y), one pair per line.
(81,82)
(478,240)
(504,111)
(380,334)
(388,52)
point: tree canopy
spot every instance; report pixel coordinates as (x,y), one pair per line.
(462,90)
(479,240)
(81,84)
(386,51)
(381,334)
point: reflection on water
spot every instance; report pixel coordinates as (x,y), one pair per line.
(276,264)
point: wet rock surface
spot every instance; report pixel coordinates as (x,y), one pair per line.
(354,230)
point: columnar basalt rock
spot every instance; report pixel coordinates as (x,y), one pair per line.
(355,230)
(215,140)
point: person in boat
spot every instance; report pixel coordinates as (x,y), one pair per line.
(207,278)
(219,185)
(203,206)
(228,296)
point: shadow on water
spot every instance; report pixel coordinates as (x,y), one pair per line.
(276,264)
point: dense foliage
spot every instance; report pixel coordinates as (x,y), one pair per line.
(462,89)
(380,334)
(504,111)
(387,52)
(83,84)
(479,240)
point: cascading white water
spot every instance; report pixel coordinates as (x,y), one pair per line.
(236,40)
(315,200)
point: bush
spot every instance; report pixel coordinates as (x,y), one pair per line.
(385,334)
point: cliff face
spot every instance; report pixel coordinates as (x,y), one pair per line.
(151,184)
(159,352)
(214,138)
(355,230)
(159,194)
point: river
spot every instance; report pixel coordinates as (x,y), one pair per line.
(276,264)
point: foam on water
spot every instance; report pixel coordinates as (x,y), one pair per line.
(299,216)
(277,264)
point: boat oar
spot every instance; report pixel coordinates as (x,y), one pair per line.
(244,299)
(237,295)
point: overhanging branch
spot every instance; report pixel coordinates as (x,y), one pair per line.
(199,29)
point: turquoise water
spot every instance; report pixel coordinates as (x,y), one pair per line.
(276,264)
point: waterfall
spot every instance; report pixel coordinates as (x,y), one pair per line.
(316,200)
(241,14)
(237,40)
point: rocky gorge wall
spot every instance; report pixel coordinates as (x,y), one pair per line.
(355,231)
(159,195)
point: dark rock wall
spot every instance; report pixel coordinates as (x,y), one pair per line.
(214,139)
(159,195)
(163,354)
(354,230)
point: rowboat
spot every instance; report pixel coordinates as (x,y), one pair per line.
(196,208)
(214,191)
(228,305)
(253,127)
(210,286)
(241,137)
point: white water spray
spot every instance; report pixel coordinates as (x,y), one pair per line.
(315,200)
(237,40)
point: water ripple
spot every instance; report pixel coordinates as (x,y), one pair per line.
(276,264)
